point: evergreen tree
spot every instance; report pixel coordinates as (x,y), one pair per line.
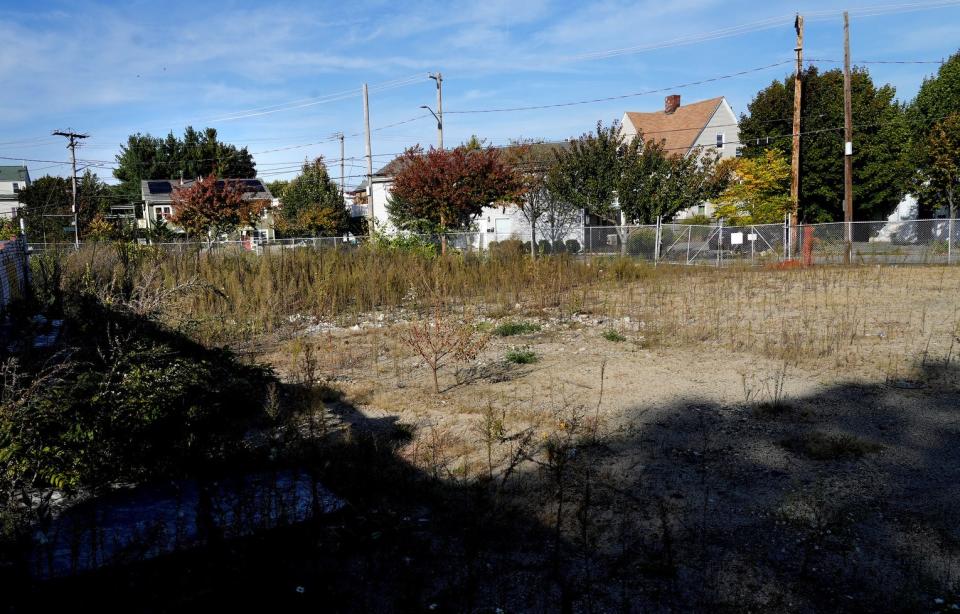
(880,141)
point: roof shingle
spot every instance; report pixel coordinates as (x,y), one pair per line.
(678,130)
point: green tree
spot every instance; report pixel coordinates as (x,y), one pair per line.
(759,192)
(609,176)
(929,114)
(46,205)
(938,182)
(588,173)
(197,154)
(938,97)
(277,187)
(881,135)
(312,203)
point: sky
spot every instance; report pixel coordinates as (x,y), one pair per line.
(282,78)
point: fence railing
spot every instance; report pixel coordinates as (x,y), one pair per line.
(900,242)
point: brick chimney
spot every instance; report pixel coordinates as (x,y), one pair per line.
(671,103)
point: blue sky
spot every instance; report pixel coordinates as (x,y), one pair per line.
(287,75)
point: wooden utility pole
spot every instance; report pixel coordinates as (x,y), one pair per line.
(795,159)
(847,140)
(343,173)
(366,122)
(72,146)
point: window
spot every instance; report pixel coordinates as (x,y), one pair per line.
(701,209)
(162,212)
(719,140)
(16,188)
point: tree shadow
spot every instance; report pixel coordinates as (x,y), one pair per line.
(841,501)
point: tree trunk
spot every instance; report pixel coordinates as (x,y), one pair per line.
(436,382)
(443,241)
(533,239)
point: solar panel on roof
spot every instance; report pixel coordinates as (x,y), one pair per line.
(159,187)
(253,183)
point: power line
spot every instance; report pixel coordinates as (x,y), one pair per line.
(622,96)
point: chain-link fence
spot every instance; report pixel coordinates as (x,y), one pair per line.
(907,242)
(901,242)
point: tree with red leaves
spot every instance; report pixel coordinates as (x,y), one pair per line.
(211,207)
(445,189)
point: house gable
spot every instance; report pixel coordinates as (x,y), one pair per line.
(679,130)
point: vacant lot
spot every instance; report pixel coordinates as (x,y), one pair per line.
(773,440)
(600,435)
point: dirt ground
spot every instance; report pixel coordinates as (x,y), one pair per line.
(755,440)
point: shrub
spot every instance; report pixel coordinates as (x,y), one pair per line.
(544,246)
(612,335)
(409,243)
(640,242)
(559,247)
(521,356)
(443,338)
(509,248)
(572,246)
(133,401)
(697,220)
(509,329)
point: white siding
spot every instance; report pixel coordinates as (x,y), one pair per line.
(724,122)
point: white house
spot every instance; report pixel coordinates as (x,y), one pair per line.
(495,223)
(706,126)
(12,180)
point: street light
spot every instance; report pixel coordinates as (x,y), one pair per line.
(439,114)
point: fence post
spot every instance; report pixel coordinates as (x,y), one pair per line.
(950,241)
(720,244)
(656,245)
(786,238)
(689,238)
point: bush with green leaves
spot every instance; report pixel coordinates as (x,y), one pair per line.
(126,401)
(612,335)
(509,329)
(572,246)
(406,242)
(522,356)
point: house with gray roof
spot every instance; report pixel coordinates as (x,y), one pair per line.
(12,180)
(158,203)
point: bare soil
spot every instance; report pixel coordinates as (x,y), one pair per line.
(759,440)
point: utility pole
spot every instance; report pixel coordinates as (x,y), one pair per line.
(795,160)
(72,146)
(366,122)
(342,167)
(439,79)
(847,140)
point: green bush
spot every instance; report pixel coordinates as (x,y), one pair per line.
(697,220)
(612,335)
(640,242)
(573,246)
(509,248)
(509,329)
(522,356)
(544,246)
(132,401)
(408,243)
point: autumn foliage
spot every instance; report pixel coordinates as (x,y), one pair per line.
(211,207)
(445,189)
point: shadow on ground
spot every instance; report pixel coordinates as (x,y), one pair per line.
(840,501)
